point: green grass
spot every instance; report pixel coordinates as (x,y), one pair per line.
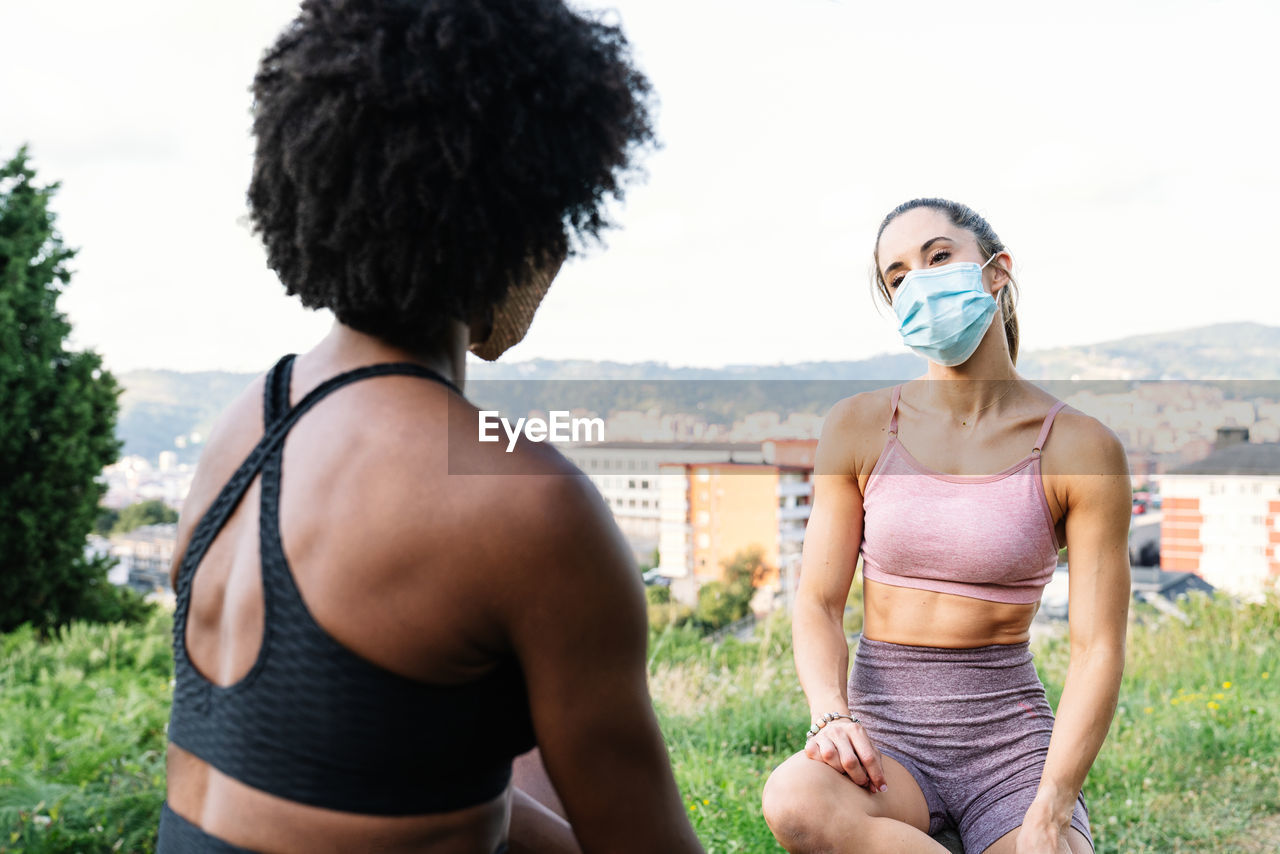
(82,723)
(1190,764)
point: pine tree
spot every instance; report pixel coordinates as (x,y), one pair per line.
(57,423)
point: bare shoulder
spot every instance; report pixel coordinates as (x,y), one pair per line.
(556,509)
(1081,444)
(565,566)
(525,502)
(854,432)
(860,412)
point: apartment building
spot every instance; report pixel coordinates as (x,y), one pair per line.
(626,473)
(1221,515)
(712,510)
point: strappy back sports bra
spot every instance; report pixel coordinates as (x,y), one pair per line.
(312,721)
(984,536)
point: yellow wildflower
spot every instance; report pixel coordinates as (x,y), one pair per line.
(1226,685)
(705,801)
(1148,710)
(1213,706)
(1219,696)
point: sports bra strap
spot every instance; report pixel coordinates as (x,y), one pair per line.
(893,405)
(275,394)
(1048,422)
(225,504)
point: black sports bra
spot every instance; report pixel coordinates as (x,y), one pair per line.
(314,722)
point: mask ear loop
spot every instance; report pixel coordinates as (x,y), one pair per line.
(988,261)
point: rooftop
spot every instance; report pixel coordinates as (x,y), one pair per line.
(1247,458)
(664,446)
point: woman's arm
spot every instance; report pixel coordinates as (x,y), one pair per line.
(1099,506)
(577,621)
(831,543)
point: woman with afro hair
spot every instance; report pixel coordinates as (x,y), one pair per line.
(365,641)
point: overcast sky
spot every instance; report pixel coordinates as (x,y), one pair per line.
(1125,152)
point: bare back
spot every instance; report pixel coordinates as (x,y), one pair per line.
(354,468)
(442,578)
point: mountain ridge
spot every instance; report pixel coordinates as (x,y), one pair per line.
(159,406)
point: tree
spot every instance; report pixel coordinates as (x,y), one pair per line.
(142,513)
(57,422)
(744,572)
(107,519)
(722,602)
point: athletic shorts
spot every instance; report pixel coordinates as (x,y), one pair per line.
(972,727)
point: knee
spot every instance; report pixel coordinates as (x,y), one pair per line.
(789,812)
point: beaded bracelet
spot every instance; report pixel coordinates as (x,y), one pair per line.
(826,719)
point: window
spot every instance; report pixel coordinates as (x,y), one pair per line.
(631,484)
(644,484)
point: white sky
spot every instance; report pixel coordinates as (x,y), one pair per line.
(1125,151)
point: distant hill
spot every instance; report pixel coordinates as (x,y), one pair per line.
(159,407)
(159,410)
(1237,351)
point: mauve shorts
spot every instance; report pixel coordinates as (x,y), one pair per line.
(971,725)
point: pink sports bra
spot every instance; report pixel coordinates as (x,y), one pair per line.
(983,536)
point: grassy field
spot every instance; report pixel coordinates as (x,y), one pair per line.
(1191,763)
(82,722)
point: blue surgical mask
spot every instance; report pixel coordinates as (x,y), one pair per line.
(943,312)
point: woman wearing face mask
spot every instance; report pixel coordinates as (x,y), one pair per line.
(957,489)
(364,641)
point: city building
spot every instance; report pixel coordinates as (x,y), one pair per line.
(626,473)
(713,510)
(133,479)
(1220,515)
(144,557)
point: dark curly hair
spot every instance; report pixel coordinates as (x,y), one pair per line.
(414,156)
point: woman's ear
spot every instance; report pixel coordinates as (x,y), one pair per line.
(1001,266)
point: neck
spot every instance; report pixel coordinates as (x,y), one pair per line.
(345,348)
(978,384)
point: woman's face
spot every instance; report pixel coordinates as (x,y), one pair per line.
(922,238)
